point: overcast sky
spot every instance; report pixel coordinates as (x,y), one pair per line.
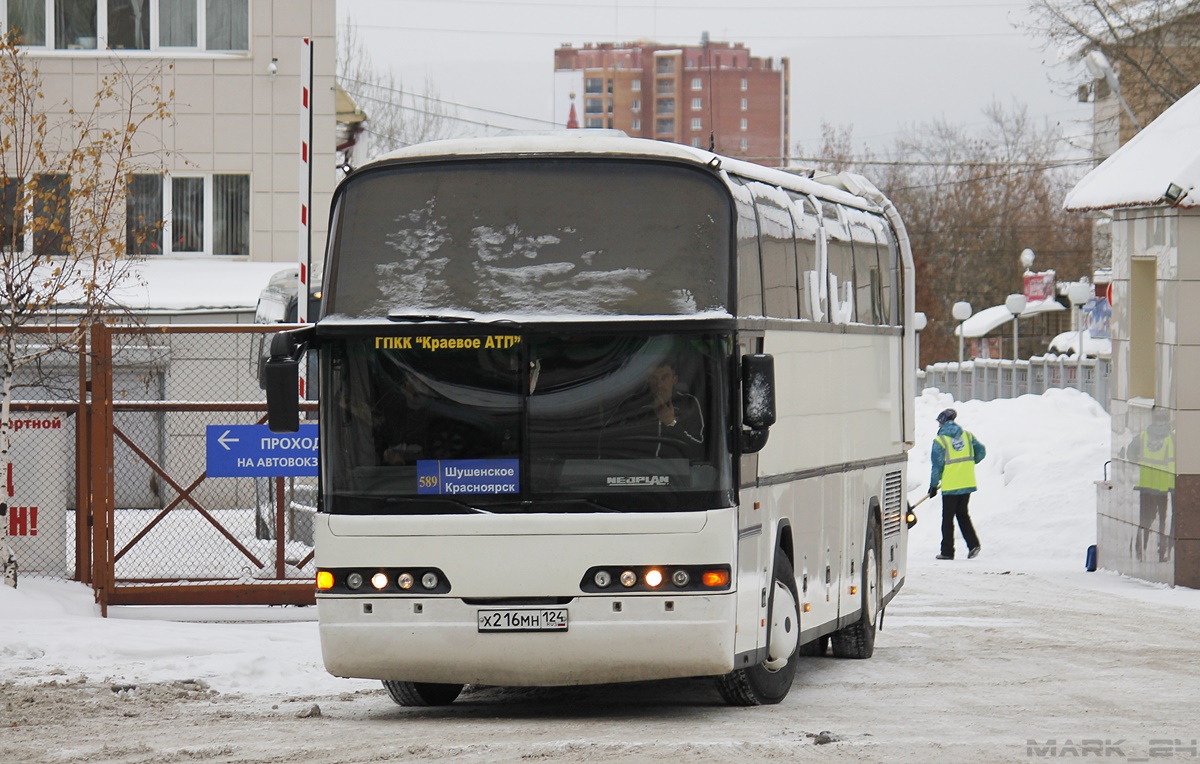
(875,65)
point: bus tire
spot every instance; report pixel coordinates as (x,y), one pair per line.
(858,639)
(422,693)
(769,682)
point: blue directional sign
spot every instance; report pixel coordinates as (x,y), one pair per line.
(252,450)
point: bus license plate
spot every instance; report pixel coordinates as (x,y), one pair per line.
(523,620)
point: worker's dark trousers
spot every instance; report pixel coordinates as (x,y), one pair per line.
(954,505)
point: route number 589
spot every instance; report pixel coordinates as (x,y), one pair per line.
(428,481)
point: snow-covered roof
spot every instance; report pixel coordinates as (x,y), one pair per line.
(988,319)
(1139,173)
(1068,343)
(196,284)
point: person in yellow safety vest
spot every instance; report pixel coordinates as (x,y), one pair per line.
(1154,453)
(955,454)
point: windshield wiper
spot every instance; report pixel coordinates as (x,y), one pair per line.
(418,318)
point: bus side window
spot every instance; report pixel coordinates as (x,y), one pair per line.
(841,265)
(889,271)
(866,268)
(777,243)
(749,272)
(810,271)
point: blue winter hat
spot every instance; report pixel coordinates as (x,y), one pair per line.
(948,415)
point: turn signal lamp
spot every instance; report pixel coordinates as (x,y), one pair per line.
(379,580)
(715,578)
(324,580)
(654,578)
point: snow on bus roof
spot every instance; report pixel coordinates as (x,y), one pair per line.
(615,142)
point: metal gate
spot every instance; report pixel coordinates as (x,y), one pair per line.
(148,524)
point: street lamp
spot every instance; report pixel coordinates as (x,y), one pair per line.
(919,324)
(1015,304)
(1079,293)
(961,312)
(1027,258)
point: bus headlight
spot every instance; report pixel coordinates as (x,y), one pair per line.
(652,578)
(429,580)
(405,581)
(354,581)
(379,581)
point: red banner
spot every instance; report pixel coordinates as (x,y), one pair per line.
(1039,286)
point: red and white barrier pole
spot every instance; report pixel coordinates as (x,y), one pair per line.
(304,238)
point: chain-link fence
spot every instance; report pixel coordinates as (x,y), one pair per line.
(155,525)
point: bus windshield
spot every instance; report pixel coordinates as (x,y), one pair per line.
(533,422)
(595,237)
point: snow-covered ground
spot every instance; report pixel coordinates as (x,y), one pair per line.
(1014,656)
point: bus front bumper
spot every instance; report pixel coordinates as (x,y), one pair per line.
(607,639)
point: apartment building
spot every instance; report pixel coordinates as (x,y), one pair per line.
(712,95)
(231,148)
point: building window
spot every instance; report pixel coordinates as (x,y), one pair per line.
(594,106)
(745,124)
(12,224)
(745,84)
(665,87)
(594,122)
(664,126)
(636,85)
(665,106)
(745,104)
(52,214)
(664,66)
(697,143)
(28,19)
(130,24)
(636,125)
(696,123)
(41,223)
(745,144)
(144,215)
(636,106)
(593,85)
(697,83)
(697,104)
(210,215)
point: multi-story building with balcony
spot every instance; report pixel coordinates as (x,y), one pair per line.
(712,95)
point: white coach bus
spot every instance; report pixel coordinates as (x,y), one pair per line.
(600,409)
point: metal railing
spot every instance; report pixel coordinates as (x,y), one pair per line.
(987,379)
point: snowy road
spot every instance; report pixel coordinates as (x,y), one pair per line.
(974,663)
(1016,656)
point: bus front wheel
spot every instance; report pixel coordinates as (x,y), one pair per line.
(422,693)
(769,682)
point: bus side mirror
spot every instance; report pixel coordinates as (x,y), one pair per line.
(758,400)
(281,374)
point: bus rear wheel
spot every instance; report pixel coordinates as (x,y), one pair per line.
(422,693)
(769,682)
